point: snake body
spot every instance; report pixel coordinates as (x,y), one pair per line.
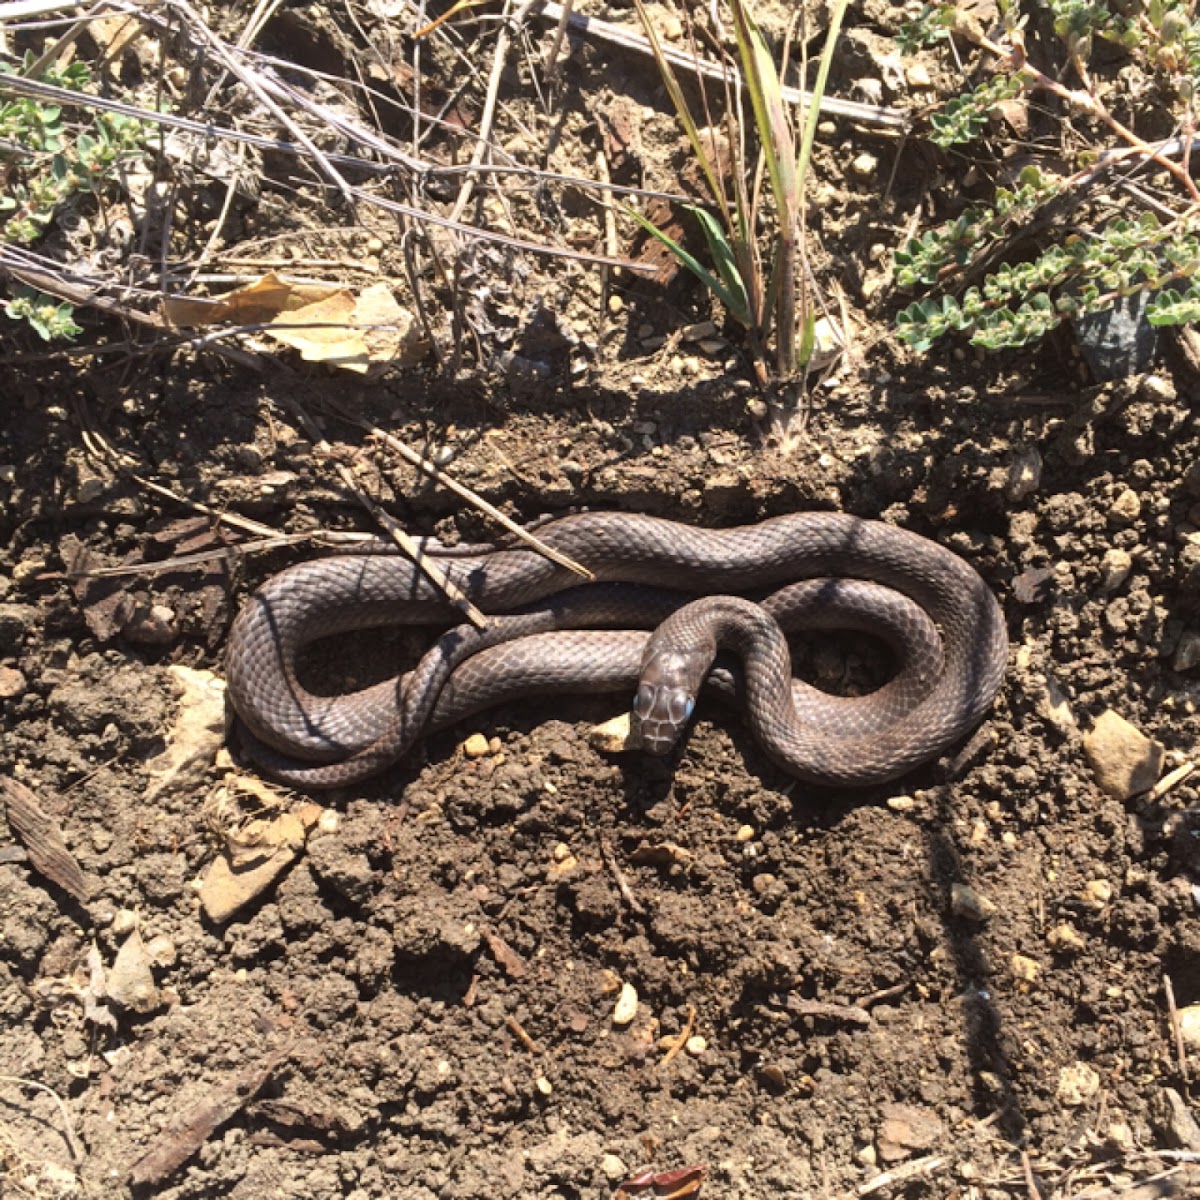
(808,570)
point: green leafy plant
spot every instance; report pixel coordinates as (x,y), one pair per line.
(49,318)
(45,163)
(756,253)
(1122,252)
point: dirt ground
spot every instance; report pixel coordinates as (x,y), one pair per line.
(956,986)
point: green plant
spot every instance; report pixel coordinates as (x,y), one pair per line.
(48,318)
(1120,251)
(756,253)
(44,163)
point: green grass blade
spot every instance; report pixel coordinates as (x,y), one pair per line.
(770,112)
(813,116)
(724,259)
(734,298)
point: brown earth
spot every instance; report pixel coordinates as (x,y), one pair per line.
(420,1006)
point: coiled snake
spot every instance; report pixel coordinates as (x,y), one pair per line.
(830,571)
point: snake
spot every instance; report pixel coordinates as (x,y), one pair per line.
(668,605)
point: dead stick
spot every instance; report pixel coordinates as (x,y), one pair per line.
(438,475)
(682,1039)
(1176,1027)
(519,1033)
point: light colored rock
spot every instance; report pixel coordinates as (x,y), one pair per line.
(1114,568)
(1189,1026)
(696,1045)
(476,746)
(627,1005)
(130,983)
(613,1168)
(1054,707)
(1126,508)
(1123,759)
(1024,968)
(1077,1084)
(907,1129)
(1178,1125)
(611,737)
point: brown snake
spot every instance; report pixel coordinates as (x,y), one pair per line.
(928,604)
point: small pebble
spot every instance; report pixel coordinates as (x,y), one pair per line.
(12,683)
(627,1004)
(902,804)
(696,1045)
(125,921)
(967,902)
(1189,1026)
(1077,1084)
(1097,892)
(745,833)
(1023,968)
(613,1168)
(476,746)
(1126,508)
(543,1085)
(1065,937)
(864,166)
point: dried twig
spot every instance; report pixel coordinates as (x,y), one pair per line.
(438,475)
(1176,1027)
(678,1044)
(622,883)
(518,1031)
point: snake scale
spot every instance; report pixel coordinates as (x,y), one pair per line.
(546,635)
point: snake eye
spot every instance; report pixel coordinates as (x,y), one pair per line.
(688,709)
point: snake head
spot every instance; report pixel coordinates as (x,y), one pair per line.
(665,701)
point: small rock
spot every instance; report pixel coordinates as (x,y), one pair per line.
(967,902)
(1124,760)
(1065,937)
(917,76)
(124,921)
(151,625)
(698,331)
(696,1045)
(906,1129)
(1179,1127)
(745,833)
(901,803)
(1114,568)
(1024,969)
(1077,1084)
(611,737)
(1097,893)
(864,166)
(130,983)
(867,1155)
(161,952)
(1187,653)
(476,746)
(1054,707)
(613,1168)
(1126,508)
(1024,474)
(543,1085)
(12,683)
(1189,1026)
(773,1075)
(627,1004)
